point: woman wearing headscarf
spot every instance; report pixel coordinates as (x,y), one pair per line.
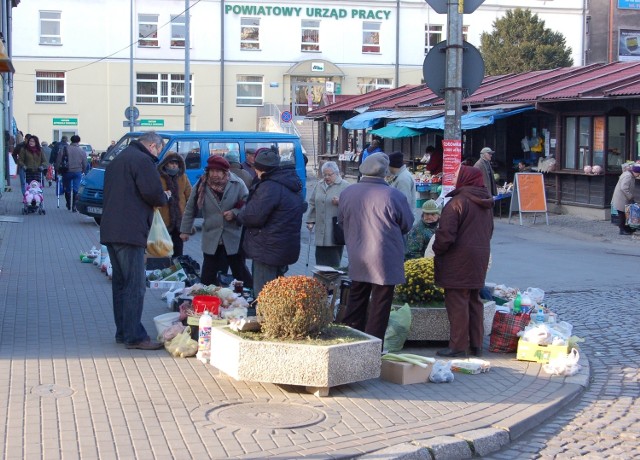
(220,195)
(323,207)
(623,194)
(462,248)
(173,178)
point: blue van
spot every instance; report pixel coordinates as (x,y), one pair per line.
(195,147)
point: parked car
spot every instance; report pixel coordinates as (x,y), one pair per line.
(87,148)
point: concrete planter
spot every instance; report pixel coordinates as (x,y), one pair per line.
(433,323)
(315,367)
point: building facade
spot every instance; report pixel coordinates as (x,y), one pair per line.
(85,63)
(613,31)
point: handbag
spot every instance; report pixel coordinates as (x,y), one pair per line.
(64,162)
(504,331)
(338,233)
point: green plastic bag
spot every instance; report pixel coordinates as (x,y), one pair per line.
(397,329)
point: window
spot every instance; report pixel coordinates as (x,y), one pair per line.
(161,88)
(178,31)
(370,37)
(465,33)
(584,142)
(189,151)
(310,36)
(148,30)
(249,90)
(250,33)
(366,85)
(50,28)
(50,86)
(286,150)
(432,36)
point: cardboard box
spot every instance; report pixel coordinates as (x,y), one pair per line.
(528,351)
(403,373)
(166,285)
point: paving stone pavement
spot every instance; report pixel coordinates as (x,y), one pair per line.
(68,391)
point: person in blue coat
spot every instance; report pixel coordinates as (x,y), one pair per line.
(272,219)
(132,189)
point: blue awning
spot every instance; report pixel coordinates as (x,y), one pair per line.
(470,120)
(365,120)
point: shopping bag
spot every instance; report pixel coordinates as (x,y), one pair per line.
(428,253)
(398,328)
(504,331)
(633,215)
(159,242)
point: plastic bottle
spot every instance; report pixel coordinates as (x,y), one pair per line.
(540,315)
(526,304)
(517,303)
(204,337)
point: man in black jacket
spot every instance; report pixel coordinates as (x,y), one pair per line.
(272,218)
(132,188)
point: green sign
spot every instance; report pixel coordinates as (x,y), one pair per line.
(151,122)
(65,122)
(297,11)
(338,88)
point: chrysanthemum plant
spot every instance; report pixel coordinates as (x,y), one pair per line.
(420,289)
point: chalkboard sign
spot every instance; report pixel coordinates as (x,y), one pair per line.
(529,195)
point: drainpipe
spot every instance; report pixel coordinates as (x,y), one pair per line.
(610,60)
(187,67)
(221,65)
(397,66)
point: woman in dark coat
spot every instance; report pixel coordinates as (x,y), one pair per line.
(462,248)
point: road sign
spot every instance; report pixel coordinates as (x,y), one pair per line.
(286,116)
(65,122)
(127,123)
(151,122)
(441,6)
(434,68)
(131,112)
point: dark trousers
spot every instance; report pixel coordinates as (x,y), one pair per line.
(128,287)
(178,244)
(221,262)
(263,273)
(622,222)
(368,308)
(466,316)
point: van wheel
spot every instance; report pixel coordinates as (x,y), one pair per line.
(97,219)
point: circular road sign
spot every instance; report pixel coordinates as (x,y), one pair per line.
(286,116)
(131,112)
(434,68)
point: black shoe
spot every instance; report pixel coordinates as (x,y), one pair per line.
(476,351)
(625,232)
(449,353)
(147,344)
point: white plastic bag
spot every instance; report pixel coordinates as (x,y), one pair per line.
(535,294)
(159,243)
(441,372)
(428,254)
(566,365)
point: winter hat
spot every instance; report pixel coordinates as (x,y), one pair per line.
(233,157)
(486,150)
(396,160)
(635,169)
(430,207)
(266,159)
(217,162)
(376,164)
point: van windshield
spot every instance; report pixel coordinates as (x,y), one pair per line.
(119,147)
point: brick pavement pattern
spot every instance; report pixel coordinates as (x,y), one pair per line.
(69,391)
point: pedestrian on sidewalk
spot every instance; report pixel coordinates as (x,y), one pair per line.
(172,175)
(132,189)
(623,194)
(484,165)
(77,161)
(461,249)
(374,217)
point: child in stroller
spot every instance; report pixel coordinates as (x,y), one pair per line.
(33,198)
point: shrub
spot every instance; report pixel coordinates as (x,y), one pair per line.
(419,287)
(293,307)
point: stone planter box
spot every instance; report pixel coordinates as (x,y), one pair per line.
(315,367)
(433,323)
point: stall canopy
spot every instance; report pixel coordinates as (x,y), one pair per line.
(365,120)
(395,132)
(469,120)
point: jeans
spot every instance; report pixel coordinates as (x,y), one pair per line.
(263,273)
(128,288)
(23,179)
(71,180)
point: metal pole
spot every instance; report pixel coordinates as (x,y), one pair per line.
(453,78)
(187,68)
(131,117)
(221,65)
(397,66)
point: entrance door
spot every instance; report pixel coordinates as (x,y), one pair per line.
(306,95)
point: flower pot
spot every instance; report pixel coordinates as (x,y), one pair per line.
(432,323)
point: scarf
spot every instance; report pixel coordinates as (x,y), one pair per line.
(35,149)
(469,175)
(217,186)
(175,216)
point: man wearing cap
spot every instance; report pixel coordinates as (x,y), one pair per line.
(401,178)
(374,218)
(623,194)
(272,219)
(421,233)
(233,157)
(249,162)
(484,165)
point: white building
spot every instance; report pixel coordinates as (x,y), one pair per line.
(73,57)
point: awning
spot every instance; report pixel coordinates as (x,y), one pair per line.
(395,132)
(470,120)
(365,120)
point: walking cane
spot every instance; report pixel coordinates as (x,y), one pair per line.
(58,189)
(306,271)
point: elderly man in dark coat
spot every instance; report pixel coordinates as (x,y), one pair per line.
(461,250)
(374,217)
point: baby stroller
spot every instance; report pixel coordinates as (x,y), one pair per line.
(33,198)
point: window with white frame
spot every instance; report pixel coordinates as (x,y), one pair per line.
(148,30)
(249,90)
(50,86)
(178,31)
(432,36)
(465,33)
(370,37)
(310,35)
(161,88)
(50,28)
(368,84)
(250,33)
